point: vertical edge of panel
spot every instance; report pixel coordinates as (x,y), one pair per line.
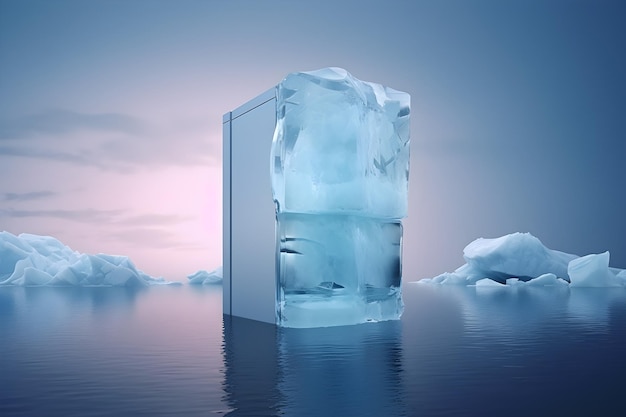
(276,273)
(226,213)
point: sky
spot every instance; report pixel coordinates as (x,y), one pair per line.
(111,111)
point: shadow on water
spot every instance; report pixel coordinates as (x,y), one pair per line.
(336,371)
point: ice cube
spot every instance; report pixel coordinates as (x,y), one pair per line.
(339,170)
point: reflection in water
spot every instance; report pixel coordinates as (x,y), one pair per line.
(336,371)
(110,352)
(342,371)
(251,367)
(592,306)
(511,313)
(40,313)
(517,352)
(514,311)
(93,298)
(457,351)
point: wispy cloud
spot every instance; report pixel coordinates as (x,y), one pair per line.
(120,218)
(153,237)
(109,141)
(152,219)
(33,195)
(59,121)
(81,216)
(75,157)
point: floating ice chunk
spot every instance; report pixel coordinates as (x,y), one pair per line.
(518,255)
(448,278)
(33,260)
(521,259)
(206,278)
(548,279)
(593,271)
(486,282)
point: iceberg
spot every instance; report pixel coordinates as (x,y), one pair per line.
(206,278)
(34,260)
(339,169)
(593,271)
(521,259)
(548,279)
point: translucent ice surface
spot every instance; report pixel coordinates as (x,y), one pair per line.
(203,277)
(521,259)
(28,260)
(341,146)
(593,271)
(339,170)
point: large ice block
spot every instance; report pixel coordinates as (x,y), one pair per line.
(339,172)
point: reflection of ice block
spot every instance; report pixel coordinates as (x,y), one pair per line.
(339,171)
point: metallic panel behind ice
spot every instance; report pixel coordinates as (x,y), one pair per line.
(249,230)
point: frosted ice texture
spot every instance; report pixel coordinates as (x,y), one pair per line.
(593,271)
(33,260)
(339,169)
(520,259)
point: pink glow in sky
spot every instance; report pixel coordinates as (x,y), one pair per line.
(110,117)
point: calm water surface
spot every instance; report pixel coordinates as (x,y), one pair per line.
(166,351)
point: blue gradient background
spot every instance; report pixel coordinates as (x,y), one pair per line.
(110,117)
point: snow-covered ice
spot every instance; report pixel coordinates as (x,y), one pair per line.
(31,260)
(203,277)
(521,259)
